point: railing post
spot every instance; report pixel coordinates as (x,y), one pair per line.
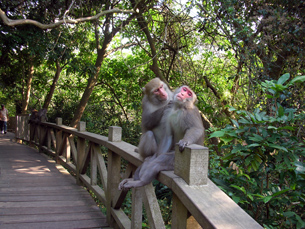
(58,139)
(43,131)
(192,166)
(114,167)
(81,126)
(81,151)
(22,128)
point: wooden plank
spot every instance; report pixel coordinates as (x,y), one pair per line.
(96,223)
(73,148)
(35,193)
(101,166)
(211,207)
(45,211)
(51,217)
(152,208)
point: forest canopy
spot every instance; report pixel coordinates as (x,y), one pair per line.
(87,61)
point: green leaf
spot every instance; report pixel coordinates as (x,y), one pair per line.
(219,133)
(253,145)
(227,139)
(250,197)
(281,192)
(232,108)
(239,188)
(266,199)
(278,147)
(297,79)
(288,214)
(256,138)
(287,128)
(228,156)
(300,167)
(281,111)
(235,123)
(283,78)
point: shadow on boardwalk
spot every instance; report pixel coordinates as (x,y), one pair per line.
(37,193)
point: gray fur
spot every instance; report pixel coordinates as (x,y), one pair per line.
(183,125)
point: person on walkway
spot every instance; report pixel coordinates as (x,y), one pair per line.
(4,118)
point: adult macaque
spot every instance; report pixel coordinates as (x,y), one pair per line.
(156,98)
(38,116)
(183,125)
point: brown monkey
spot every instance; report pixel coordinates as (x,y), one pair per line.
(38,116)
(183,125)
(156,98)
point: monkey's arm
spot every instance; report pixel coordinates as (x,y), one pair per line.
(151,120)
(194,130)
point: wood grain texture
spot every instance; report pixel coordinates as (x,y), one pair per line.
(35,194)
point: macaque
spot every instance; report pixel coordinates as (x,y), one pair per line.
(156,98)
(38,116)
(34,116)
(183,126)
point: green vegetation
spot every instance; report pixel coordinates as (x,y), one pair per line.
(244,59)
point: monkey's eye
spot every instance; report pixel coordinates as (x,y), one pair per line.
(184,89)
(189,93)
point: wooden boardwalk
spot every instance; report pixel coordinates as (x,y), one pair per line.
(37,193)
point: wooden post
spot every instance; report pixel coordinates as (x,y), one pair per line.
(93,165)
(114,167)
(192,166)
(49,138)
(137,208)
(81,126)
(42,132)
(81,151)
(58,139)
(115,134)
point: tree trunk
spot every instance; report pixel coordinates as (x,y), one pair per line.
(26,96)
(52,88)
(101,54)
(144,27)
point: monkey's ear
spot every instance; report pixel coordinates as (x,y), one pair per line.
(143,89)
(195,99)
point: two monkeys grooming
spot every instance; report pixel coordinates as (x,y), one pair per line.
(167,119)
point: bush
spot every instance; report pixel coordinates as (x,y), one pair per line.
(263,169)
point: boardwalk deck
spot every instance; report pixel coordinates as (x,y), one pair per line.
(37,193)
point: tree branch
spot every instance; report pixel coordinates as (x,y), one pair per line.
(11,22)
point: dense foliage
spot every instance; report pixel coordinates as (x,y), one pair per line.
(264,170)
(244,59)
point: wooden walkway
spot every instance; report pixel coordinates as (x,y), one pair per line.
(37,193)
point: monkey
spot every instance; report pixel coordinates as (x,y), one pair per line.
(38,116)
(34,116)
(183,126)
(156,97)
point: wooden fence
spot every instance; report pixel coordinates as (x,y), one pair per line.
(197,202)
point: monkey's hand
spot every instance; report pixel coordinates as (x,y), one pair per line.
(182,144)
(122,185)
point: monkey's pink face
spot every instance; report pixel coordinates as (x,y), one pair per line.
(185,93)
(161,93)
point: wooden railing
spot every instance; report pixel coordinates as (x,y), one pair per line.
(197,202)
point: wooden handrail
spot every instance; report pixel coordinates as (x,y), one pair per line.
(197,201)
